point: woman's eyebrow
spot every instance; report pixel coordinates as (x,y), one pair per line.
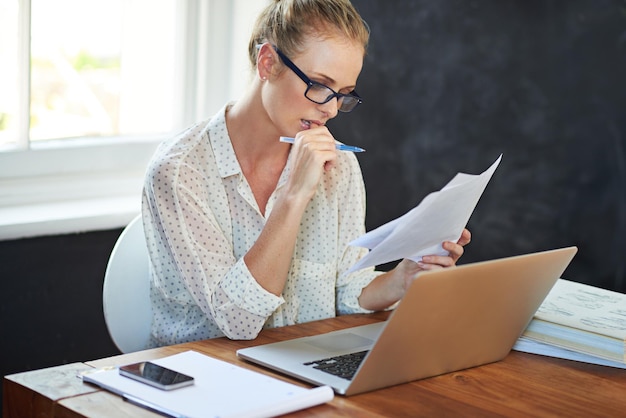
(329,80)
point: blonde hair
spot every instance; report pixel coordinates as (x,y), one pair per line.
(286,24)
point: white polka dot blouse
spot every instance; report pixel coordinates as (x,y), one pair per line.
(200,219)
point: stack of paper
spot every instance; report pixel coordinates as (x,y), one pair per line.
(220,389)
(579,322)
(528,345)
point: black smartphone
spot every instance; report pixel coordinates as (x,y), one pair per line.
(155,375)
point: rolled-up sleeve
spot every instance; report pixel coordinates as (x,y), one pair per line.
(192,254)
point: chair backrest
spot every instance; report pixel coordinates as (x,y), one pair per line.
(126,290)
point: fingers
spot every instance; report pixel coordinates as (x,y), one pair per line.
(313,153)
(455,251)
(433,262)
(318,138)
(319,145)
(465,238)
(322,150)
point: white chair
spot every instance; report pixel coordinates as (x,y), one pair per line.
(126,290)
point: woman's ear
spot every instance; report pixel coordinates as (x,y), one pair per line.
(266,61)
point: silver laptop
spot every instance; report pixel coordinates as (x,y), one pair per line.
(449,319)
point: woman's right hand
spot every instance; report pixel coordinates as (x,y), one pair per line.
(313,153)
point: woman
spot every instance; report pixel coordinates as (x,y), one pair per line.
(247,232)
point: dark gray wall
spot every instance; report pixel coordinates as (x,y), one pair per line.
(51,301)
(449,85)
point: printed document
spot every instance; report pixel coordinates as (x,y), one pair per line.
(440,216)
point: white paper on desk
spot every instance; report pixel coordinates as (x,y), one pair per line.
(220,389)
(528,345)
(440,216)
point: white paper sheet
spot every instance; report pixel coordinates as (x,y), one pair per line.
(440,216)
(220,390)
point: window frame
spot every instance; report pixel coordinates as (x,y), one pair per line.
(57,187)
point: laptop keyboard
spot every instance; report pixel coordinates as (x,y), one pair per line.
(344,366)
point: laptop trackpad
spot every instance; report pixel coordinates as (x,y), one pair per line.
(340,342)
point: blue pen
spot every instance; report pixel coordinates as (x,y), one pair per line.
(340,147)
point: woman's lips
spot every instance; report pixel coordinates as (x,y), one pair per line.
(307,124)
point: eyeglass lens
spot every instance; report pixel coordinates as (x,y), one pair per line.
(321,94)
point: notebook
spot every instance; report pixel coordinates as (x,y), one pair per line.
(449,319)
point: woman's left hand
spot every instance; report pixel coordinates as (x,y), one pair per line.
(408,269)
(455,251)
(389,287)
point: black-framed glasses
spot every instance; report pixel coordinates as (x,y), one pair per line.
(320,93)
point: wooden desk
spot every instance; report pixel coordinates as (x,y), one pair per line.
(520,385)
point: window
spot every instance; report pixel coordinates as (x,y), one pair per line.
(89,88)
(97,69)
